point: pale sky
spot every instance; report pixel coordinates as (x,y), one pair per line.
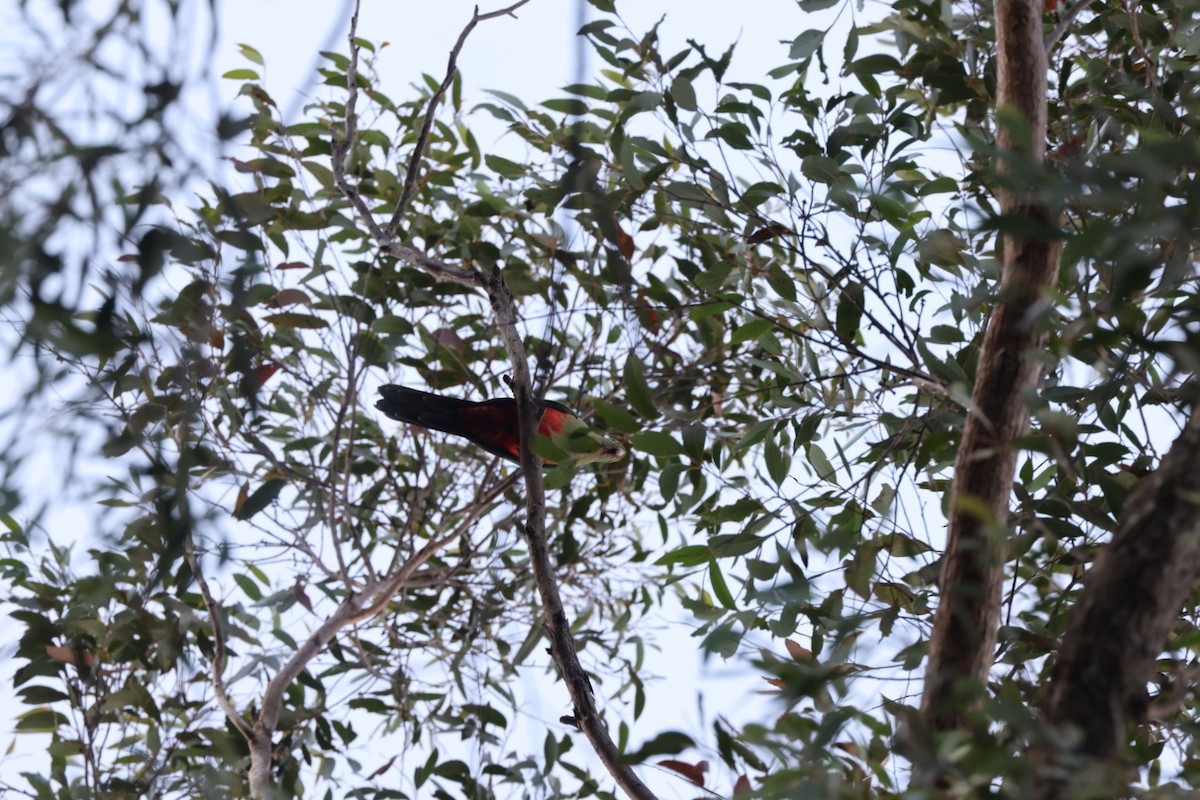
(529,56)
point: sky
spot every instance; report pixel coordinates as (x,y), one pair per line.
(530,56)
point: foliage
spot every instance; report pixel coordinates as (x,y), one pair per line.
(776,293)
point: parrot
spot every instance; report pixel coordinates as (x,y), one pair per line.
(492,424)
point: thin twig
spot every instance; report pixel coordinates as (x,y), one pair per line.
(418,153)
(1064,21)
(343,145)
(217,661)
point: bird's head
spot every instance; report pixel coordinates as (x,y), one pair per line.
(577,443)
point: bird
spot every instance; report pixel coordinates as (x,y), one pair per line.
(492,424)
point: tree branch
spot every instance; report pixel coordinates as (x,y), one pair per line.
(1131,600)
(1065,19)
(562,643)
(963,642)
(217,660)
(414,162)
(343,145)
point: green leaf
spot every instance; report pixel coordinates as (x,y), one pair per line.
(251,54)
(849,312)
(720,588)
(637,391)
(616,417)
(942,248)
(665,744)
(683,94)
(567,105)
(821,169)
(751,330)
(657,443)
(262,497)
(503,167)
(691,555)
(861,568)
(804,45)
(778,462)
(241,75)
(734,134)
(895,594)
(41,720)
(288,319)
(816,457)
(248,586)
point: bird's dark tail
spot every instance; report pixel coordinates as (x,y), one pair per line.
(432,411)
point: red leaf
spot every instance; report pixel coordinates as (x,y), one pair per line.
(289,297)
(292,265)
(693,772)
(301,597)
(742,786)
(768,232)
(624,242)
(797,652)
(264,373)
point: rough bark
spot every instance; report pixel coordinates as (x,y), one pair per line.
(964,632)
(1131,599)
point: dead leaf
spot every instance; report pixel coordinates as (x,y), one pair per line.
(449,339)
(624,242)
(66,655)
(382,769)
(263,374)
(289,297)
(302,599)
(693,772)
(768,232)
(242,494)
(797,652)
(549,241)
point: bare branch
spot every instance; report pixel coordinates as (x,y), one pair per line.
(562,643)
(438,269)
(344,144)
(414,162)
(1064,21)
(217,661)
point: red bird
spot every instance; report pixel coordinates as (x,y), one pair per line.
(492,424)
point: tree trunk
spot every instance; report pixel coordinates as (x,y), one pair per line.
(1131,599)
(964,630)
